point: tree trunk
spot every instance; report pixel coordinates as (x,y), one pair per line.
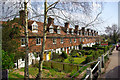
(39,76)
(26,73)
(17,64)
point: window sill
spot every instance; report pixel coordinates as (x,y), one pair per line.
(61,42)
(22,45)
(54,43)
(38,44)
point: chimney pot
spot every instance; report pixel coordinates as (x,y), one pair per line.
(76,27)
(66,25)
(22,17)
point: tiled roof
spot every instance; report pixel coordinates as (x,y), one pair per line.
(63,30)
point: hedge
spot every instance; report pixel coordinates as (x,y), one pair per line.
(89,48)
(64,55)
(61,66)
(89,58)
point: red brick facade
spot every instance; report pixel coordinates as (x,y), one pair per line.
(63,34)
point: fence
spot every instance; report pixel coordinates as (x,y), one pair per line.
(100,64)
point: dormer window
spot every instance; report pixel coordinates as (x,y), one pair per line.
(58,30)
(35,27)
(51,29)
(77,32)
(67,31)
(80,39)
(80,33)
(72,31)
(86,33)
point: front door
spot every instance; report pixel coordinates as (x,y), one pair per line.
(67,50)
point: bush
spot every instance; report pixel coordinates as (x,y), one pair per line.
(82,51)
(36,65)
(89,58)
(7,60)
(55,55)
(59,59)
(71,60)
(101,51)
(89,48)
(64,55)
(74,53)
(73,72)
(91,52)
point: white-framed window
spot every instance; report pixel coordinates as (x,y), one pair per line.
(23,42)
(72,32)
(77,32)
(61,40)
(51,29)
(89,34)
(75,40)
(58,30)
(38,41)
(34,27)
(70,40)
(67,31)
(86,33)
(54,40)
(81,33)
(83,39)
(80,39)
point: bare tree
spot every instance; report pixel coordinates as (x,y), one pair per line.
(113,32)
(26,72)
(65,12)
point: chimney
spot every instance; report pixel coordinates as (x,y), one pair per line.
(88,31)
(22,17)
(83,28)
(66,25)
(76,27)
(91,31)
(50,20)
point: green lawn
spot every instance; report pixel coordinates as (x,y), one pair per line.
(51,73)
(77,60)
(15,76)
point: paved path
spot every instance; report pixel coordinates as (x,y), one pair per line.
(113,69)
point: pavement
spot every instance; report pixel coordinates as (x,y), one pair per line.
(113,69)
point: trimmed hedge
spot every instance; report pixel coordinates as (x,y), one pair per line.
(64,55)
(89,58)
(89,48)
(61,66)
(57,66)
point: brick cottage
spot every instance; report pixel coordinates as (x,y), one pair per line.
(58,38)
